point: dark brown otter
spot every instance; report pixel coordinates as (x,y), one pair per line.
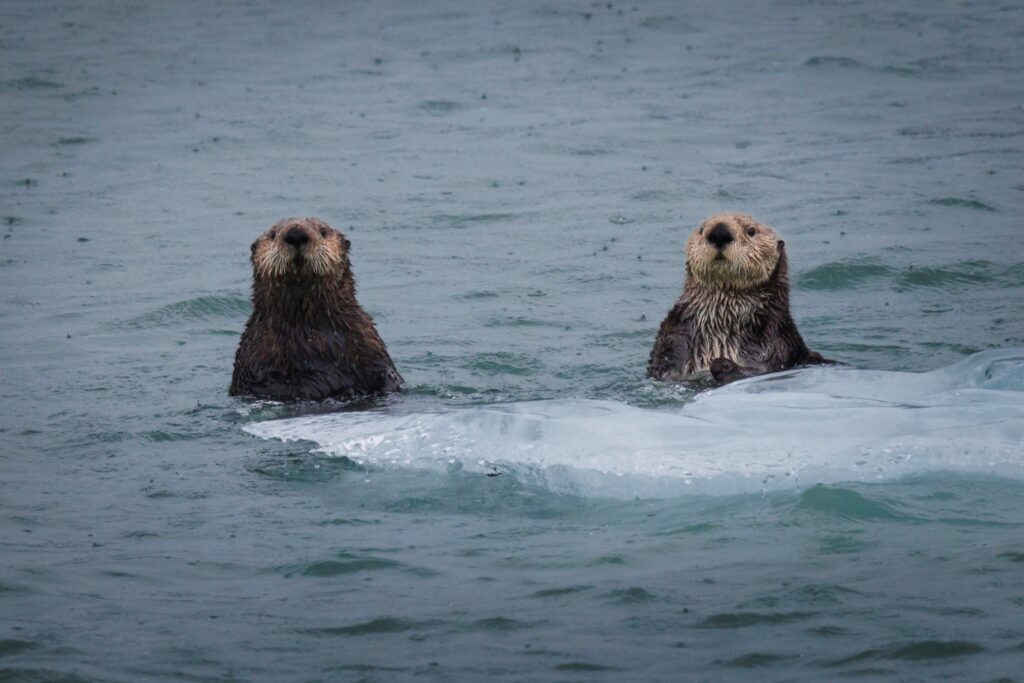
(307,337)
(732,319)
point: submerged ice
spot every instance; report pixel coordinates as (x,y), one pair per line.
(798,428)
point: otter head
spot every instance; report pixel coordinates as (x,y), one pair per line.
(733,251)
(300,248)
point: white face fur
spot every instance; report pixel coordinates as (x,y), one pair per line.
(732,251)
(298,244)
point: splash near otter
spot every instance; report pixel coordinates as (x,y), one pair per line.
(732,319)
(307,337)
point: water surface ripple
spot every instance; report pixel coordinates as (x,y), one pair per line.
(518,180)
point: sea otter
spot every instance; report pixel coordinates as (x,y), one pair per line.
(307,337)
(732,319)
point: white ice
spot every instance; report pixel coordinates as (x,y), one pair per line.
(789,430)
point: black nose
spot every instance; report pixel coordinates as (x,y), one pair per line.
(296,237)
(719,236)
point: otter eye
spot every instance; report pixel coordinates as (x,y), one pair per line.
(751,231)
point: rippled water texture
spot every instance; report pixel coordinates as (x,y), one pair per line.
(518,181)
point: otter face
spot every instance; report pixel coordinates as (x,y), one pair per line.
(299,246)
(733,251)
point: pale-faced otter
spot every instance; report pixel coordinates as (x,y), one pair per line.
(732,319)
(307,337)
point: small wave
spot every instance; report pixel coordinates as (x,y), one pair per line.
(30,83)
(668,23)
(754,660)
(441,107)
(631,596)
(503,362)
(783,431)
(200,308)
(839,275)
(381,625)
(499,51)
(469,219)
(30,675)
(845,504)
(966,274)
(843,274)
(584,667)
(478,294)
(75,140)
(344,564)
(961,202)
(522,321)
(339,567)
(81,94)
(841,62)
(744,619)
(963,274)
(498,624)
(15,646)
(922,650)
(559,592)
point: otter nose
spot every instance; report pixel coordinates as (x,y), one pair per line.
(720,236)
(296,237)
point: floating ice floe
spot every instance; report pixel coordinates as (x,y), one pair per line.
(788,430)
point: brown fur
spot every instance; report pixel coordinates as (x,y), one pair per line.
(732,319)
(307,337)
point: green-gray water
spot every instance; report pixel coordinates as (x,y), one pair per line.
(518,181)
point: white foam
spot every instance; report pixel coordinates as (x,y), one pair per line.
(792,429)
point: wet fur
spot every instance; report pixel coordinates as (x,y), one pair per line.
(732,319)
(307,337)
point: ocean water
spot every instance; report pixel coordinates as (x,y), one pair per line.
(518,181)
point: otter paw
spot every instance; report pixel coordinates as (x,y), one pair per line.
(725,370)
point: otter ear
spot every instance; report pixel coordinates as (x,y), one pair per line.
(348,243)
(782,246)
(252,249)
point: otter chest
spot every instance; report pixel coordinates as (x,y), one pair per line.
(720,327)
